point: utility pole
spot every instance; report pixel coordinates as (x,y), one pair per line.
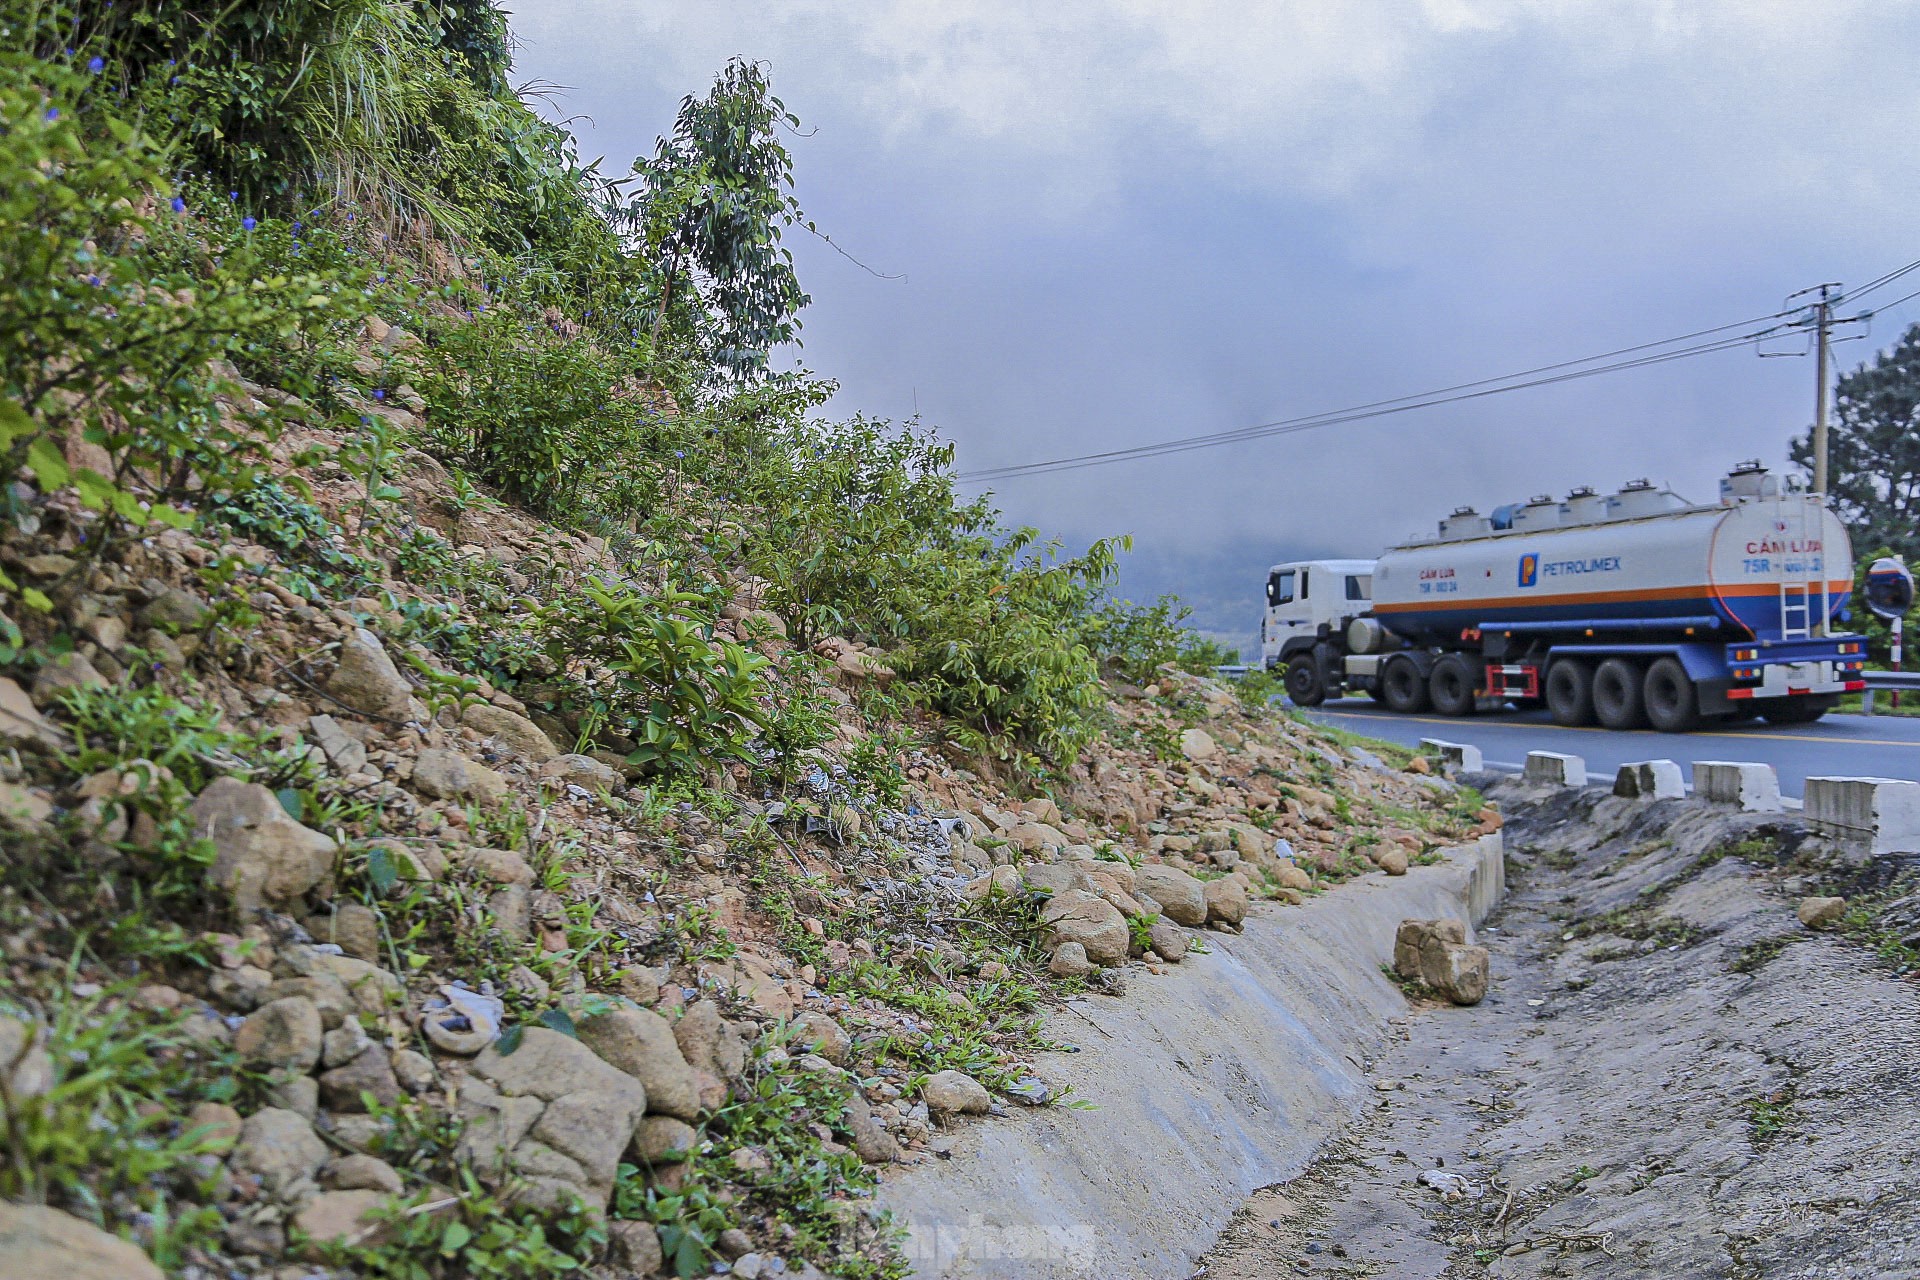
(1823,317)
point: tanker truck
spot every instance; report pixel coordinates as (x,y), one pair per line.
(1628,609)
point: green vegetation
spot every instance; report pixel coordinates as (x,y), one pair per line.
(256,257)
(1771,1116)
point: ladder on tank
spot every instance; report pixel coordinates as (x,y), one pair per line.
(1798,619)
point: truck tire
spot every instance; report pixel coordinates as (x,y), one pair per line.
(1570,692)
(1669,695)
(1451,686)
(1617,699)
(1402,688)
(1303,683)
(1804,709)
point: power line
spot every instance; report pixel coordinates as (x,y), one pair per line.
(1260,429)
(1876,282)
(1562,371)
(1357,414)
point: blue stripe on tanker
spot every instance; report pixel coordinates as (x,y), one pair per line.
(1759,614)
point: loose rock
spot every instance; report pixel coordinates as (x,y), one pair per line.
(956,1093)
(1818,913)
(366,679)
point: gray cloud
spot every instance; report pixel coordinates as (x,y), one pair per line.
(1123,221)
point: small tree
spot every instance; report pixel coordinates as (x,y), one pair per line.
(1874,449)
(709,211)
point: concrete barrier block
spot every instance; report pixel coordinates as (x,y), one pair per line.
(1453,755)
(1755,788)
(1555,769)
(1650,780)
(1885,812)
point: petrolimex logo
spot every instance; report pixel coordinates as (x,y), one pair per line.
(1530,569)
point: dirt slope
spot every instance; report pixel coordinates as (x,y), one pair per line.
(1672,1075)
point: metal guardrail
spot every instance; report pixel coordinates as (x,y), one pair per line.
(1891,681)
(1231,673)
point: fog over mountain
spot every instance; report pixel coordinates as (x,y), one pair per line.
(1121,222)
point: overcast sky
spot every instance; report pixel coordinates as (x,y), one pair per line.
(1123,221)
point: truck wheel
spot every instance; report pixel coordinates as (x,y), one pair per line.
(1303,683)
(1451,686)
(1617,700)
(1669,695)
(1804,709)
(1403,689)
(1570,692)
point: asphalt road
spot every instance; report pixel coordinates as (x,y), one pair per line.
(1860,746)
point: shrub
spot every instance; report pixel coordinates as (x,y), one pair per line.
(653,675)
(547,420)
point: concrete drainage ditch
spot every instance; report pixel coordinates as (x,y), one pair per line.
(1672,1075)
(1218,1078)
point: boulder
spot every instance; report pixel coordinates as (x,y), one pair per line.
(1226,900)
(1181,898)
(361,1173)
(581,771)
(262,857)
(173,611)
(1069,960)
(282,1033)
(1436,953)
(366,679)
(1090,920)
(1198,745)
(326,993)
(40,1242)
(663,1140)
(369,1074)
(1167,941)
(701,1034)
(511,730)
(440,774)
(27,812)
(413,1070)
(1056,878)
(1818,913)
(955,1093)
(499,865)
(641,1043)
(816,1031)
(633,1247)
(1392,860)
(342,1217)
(1292,876)
(68,671)
(591,1111)
(24,1057)
(345,753)
(216,1123)
(22,725)
(354,928)
(871,1141)
(278,1147)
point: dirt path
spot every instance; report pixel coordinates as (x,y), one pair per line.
(1670,1078)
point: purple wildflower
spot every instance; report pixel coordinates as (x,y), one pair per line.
(179,205)
(248,223)
(96,65)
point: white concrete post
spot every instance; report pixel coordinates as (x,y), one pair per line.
(1554,769)
(1755,788)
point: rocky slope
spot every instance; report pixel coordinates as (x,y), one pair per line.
(326,955)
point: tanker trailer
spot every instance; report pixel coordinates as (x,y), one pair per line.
(1628,609)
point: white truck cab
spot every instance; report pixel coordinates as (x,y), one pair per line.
(1309,601)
